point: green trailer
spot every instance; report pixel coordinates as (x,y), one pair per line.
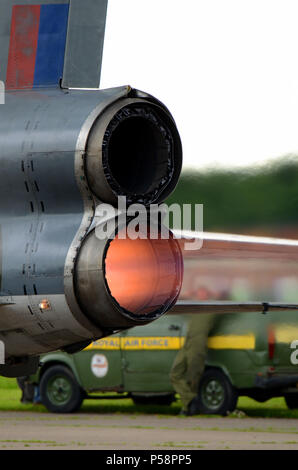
(248,354)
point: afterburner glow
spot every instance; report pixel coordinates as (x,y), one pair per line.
(143,275)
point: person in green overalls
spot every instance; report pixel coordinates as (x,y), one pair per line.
(189,363)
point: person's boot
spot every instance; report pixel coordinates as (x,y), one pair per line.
(193,407)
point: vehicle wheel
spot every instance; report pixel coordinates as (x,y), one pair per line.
(59,390)
(153,399)
(292,400)
(216,393)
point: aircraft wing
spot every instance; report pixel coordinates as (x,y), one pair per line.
(196,307)
(228,273)
(44,42)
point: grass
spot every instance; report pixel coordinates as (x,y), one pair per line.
(10,396)
(187,445)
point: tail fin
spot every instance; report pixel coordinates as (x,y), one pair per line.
(50,42)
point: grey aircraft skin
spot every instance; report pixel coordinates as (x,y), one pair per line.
(63,152)
(56,167)
(47,208)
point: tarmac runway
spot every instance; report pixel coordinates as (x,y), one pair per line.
(27,430)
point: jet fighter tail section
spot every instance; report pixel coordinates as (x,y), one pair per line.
(45,43)
(84,44)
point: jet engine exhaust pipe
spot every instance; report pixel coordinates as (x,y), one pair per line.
(133,150)
(123,282)
(63,154)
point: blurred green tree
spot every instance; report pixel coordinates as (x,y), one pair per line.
(262,200)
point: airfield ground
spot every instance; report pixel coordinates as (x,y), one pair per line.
(121,425)
(29,430)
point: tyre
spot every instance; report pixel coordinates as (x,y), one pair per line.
(291,400)
(216,393)
(153,399)
(59,390)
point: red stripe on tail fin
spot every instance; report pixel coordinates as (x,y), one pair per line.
(23,46)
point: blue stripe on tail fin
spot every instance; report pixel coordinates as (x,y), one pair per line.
(51,45)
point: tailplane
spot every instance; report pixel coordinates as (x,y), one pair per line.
(50,43)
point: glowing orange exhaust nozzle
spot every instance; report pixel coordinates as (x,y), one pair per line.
(144,276)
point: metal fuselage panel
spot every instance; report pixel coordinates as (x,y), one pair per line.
(44,203)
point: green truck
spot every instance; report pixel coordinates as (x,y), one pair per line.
(248,354)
